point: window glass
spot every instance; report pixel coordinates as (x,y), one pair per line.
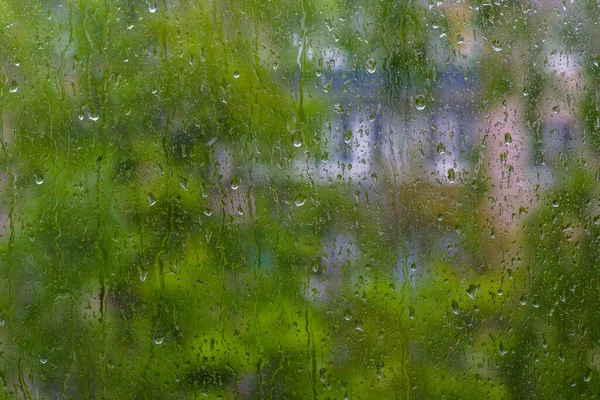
(332,199)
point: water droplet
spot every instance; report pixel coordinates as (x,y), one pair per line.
(441,148)
(1,320)
(496,45)
(420,102)
(300,200)
(507,138)
(93,117)
(43,360)
(347,315)
(152,8)
(39,179)
(522,301)
(17,62)
(297,139)
(451,175)
(588,376)
(413,267)
(14,86)
(327,87)
(379,370)
(240,210)
(158,338)
(151,199)
(555,203)
(348,136)
(455,308)
(472,291)
(207,212)
(143,276)
(502,349)
(556,109)
(236,74)
(234,183)
(411,312)
(371,65)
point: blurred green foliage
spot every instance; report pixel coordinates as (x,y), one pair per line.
(167,230)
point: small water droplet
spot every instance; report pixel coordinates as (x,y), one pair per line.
(240,210)
(93,117)
(234,183)
(555,203)
(413,267)
(151,199)
(522,301)
(152,8)
(379,370)
(371,65)
(472,291)
(236,74)
(1,320)
(502,349)
(297,139)
(347,315)
(588,376)
(207,212)
(455,308)
(507,138)
(300,200)
(348,136)
(39,179)
(441,148)
(143,276)
(496,45)
(17,62)
(451,175)
(158,338)
(43,360)
(420,102)
(14,87)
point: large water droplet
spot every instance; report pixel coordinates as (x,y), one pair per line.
(420,102)
(152,8)
(39,179)
(236,74)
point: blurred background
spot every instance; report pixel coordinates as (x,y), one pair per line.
(309,199)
